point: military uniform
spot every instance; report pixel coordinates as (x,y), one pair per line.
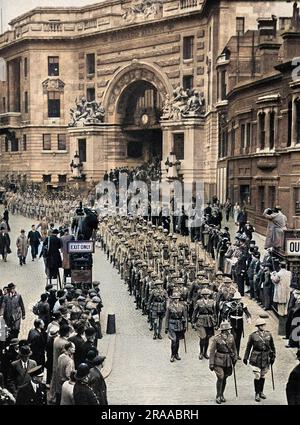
(204,320)
(157,308)
(176,319)
(261,350)
(222,358)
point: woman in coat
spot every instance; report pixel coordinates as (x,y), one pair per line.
(22,247)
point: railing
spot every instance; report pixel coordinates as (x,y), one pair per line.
(185,4)
(53,27)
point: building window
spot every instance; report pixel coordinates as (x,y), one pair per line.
(224,143)
(26,102)
(53,104)
(62,178)
(272,130)
(82,150)
(245,194)
(6,144)
(248,135)
(14,145)
(232,139)
(61,142)
(25,67)
(297,106)
(178,145)
(188,82)
(188,47)
(243,137)
(4,104)
(262,130)
(47,142)
(223,82)
(24,142)
(290,115)
(90,63)
(90,94)
(272,197)
(240,26)
(53,66)
(297,200)
(261,198)
(46,178)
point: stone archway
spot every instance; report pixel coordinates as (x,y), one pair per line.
(126,76)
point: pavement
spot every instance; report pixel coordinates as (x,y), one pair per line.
(137,368)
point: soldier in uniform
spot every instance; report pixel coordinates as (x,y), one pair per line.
(157,307)
(261,350)
(176,320)
(222,358)
(234,312)
(204,320)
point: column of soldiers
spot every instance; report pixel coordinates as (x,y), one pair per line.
(173,281)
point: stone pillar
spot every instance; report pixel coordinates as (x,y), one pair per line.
(267,129)
(294,121)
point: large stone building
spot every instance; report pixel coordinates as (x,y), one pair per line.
(127,55)
(259,126)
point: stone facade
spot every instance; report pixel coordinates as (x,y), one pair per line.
(259,143)
(130,43)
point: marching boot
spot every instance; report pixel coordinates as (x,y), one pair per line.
(262,383)
(223,399)
(257,389)
(201,349)
(206,342)
(154,336)
(219,390)
(159,336)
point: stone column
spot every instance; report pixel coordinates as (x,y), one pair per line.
(267,129)
(294,121)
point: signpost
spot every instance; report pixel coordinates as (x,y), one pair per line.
(81,262)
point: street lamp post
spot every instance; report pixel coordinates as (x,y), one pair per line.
(173,166)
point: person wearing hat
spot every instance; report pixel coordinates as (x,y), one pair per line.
(204,320)
(58,347)
(42,309)
(51,253)
(175,324)
(234,311)
(78,341)
(157,307)
(261,350)
(10,355)
(282,288)
(91,341)
(293,385)
(51,335)
(96,380)
(65,239)
(83,393)
(13,310)
(276,225)
(22,247)
(34,392)
(222,358)
(18,374)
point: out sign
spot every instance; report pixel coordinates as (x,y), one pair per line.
(293,247)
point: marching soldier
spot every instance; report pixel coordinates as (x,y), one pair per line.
(157,307)
(222,358)
(175,324)
(261,350)
(204,320)
(234,311)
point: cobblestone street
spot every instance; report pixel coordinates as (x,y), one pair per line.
(142,372)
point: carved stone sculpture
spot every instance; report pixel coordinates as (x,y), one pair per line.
(184,104)
(143,8)
(86,113)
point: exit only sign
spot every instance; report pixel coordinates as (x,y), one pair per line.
(81,247)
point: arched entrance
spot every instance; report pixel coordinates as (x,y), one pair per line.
(139,109)
(133,102)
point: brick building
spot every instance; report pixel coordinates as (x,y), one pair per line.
(259,125)
(127,58)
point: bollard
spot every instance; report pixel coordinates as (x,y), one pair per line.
(111,324)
